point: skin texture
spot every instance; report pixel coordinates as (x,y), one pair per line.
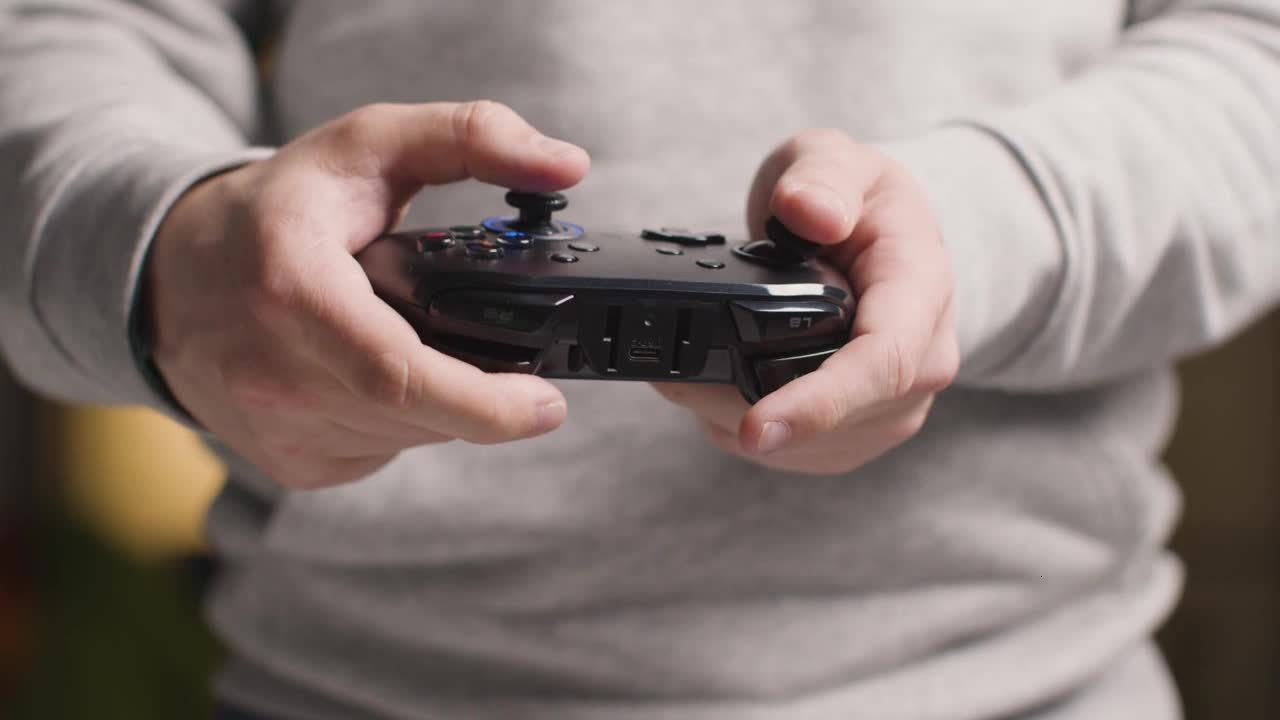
(268,332)
(875,393)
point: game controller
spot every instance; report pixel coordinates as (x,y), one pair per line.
(535,294)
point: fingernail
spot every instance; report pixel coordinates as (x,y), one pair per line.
(551,414)
(557,148)
(773,437)
(824,203)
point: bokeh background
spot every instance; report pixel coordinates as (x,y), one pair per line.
(101,564)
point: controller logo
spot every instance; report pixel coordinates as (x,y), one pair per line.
(499,315)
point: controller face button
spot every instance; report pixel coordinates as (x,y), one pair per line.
(563,257)
(711,264)
(467,232)
(584,247)
(515,239)
(484,250)
(772,373)
(766,320)
(667,250)
(434,240)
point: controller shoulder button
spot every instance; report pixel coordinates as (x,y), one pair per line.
(766,320)
(476,310)
(774,372)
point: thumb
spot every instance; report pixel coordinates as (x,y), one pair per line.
(394,150)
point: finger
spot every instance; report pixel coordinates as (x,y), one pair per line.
(853,448)
(379,358)
(434,143)
(815,184)
(856,383)
(720,405)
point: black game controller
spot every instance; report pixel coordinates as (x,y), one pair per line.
(534,294)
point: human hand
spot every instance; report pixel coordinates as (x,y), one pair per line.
(267,330)
(876,391)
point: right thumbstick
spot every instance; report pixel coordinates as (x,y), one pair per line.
(789,241)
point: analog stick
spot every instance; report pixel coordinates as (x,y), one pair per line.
(535,211)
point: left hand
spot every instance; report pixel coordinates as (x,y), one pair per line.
(876,392)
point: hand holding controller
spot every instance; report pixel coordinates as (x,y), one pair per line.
(535,294)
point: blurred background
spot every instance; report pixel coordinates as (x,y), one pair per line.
(101,562)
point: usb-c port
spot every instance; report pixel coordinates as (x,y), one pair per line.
(644,354)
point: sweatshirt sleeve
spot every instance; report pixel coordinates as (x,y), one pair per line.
(108,111)
(1125,218)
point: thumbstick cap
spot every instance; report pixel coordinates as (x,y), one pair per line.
(789,241)
(537,202)
(535,211)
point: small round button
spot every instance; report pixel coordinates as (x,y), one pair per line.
(434,240)
(467,232)
(483,250)
(665,250)
(515,239)
(584,247)
(563,257)
(711,264)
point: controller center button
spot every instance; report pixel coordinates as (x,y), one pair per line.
(765,320)
(710,264)
(774,372)
(584,247)
(681,236)
(434,240)
(467,232)
(563,257)
(484,250)
(668,250)
(515,239)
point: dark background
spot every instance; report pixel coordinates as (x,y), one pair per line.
(89,631)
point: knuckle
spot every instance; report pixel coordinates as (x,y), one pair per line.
(946,366)
(386,380)
(362,122)
(353,136)
(907,425)
(500,420)
(897,371)
(251,388)
(828,412)
(472,120)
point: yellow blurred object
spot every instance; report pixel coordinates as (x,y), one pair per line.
(140,479)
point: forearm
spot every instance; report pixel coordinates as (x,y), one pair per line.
(1125,219)
(107,111)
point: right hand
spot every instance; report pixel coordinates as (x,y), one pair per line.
(267,330)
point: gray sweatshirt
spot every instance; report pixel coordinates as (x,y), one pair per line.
(1107,176)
